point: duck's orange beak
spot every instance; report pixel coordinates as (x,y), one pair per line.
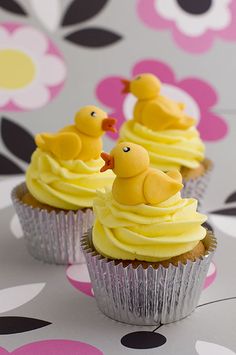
(109,161)
(126,88)
(108,124)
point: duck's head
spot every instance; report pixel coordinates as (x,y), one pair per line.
(143,86)
(93,121)
(126,160)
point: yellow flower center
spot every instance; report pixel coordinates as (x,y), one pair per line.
(16,69)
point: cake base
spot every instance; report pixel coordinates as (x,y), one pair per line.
(191,255)
(51,235)
(30,200)
(147,296)
(191,174)
(196,181)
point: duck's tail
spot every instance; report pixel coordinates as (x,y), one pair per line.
(188,122)
(175,174)
(184,122)
(40,141)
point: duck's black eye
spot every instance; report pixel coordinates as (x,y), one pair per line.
(126,149)
(138,77)
(93,114)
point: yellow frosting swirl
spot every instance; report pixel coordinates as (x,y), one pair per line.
(168,149)
(65,184)
(146,232)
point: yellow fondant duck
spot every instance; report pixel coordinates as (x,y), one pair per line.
(153,110)
(81,140)
(135,181)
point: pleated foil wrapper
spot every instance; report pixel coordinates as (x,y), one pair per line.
(147,296)
(52,237)
(196,188)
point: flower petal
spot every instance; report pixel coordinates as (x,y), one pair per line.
(58,347)
(108,97)
(128,106)
(200,90)
(78,273)
(9,131)
(30,39)
(93,37)
(14,325)
(205,348)
(8,167)
(52,70)
(13,297)
(79,278)
(3,351)
(211,275)
(212,127)
(231,197)
(13,7)
(193,33)
(32,97)
(79,11)
(48,12)
(220,17)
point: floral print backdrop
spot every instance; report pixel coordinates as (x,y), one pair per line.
(195,25)
(58,55)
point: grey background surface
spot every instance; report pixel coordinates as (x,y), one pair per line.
(73,315)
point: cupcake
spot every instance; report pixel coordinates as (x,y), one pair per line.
(162,127)
(148,253)
(54,205)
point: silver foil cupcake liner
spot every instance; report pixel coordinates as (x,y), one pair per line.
(52,237)
(147,296)
(196,188)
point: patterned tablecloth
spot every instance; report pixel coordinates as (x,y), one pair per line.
(65,54)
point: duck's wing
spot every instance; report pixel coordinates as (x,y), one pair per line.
(70,128)
(159,187)
(176,109)
(162,114)
(64,145)
(158,116)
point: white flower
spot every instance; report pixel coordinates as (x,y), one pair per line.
(206,348)
(30,68)
(216,17)
(13,297)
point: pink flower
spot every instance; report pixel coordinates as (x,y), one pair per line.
(49,347)
(78,277)
(32,70)
(197,94)
(211,275)
(194,24)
